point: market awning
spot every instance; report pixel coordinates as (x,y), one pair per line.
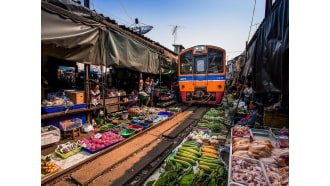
(124,52)
(269,56)
(67,36)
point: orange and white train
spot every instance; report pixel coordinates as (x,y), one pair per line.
(202,74)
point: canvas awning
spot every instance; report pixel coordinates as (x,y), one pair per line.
(125,52)
(70,37)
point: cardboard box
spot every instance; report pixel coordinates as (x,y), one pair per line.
(76,97)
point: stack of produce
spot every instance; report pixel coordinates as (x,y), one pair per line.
(179,169)
(217,127)
(47,167)
(246,172)
(214,118)
(198,136)
(104,140)
(214,112)
(66,147)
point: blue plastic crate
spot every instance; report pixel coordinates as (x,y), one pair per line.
(95,151)
(48,110)
(78,106)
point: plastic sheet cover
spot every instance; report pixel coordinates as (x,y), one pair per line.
(270,52)
(70,37)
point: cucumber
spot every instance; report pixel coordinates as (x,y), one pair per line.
(191,150)
(187,152)
(193,142)
(191,161)
(183,163)
(210,161)
(211,165)
(192,147)
(205,168)
(187,155)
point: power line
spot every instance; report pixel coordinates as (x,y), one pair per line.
(254,7)
(123,20)
(125,10)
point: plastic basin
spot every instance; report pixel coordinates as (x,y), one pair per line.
(137,128)
(144,125)
(125,125)
(127,133)
(102,130)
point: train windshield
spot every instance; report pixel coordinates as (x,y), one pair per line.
(215,61)
(200,62)
(186,62)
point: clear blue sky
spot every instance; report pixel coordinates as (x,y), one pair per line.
(223,23)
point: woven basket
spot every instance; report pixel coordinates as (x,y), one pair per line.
(49,137)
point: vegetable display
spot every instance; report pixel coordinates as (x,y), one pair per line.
(216,127)
(66,147)
(47,167)
(117,129)
(104,140)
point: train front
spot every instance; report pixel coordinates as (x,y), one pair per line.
(202,74)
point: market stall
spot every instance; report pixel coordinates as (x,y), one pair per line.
(214,155)
(94,139)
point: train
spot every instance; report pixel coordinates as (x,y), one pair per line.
(202,74)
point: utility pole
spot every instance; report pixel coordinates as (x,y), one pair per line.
(86,3)
(174,32)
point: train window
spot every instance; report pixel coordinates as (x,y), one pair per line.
(186,62)
(215,60)
(200,62)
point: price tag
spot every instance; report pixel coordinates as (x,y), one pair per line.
(98,135)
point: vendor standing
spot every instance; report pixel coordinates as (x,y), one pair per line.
(95,95)
(248,91)
(147,89)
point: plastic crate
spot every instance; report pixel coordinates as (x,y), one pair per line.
(78,106)
(75,151)
(144,125)
(48,110)
(95,151)
(77,124)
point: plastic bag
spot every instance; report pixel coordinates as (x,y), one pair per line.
(87,128)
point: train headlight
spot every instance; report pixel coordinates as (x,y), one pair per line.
(219,86)
(200,48)
(182,86)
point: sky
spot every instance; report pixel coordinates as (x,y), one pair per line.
(222,23)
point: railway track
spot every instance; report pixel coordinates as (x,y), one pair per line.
(132,161)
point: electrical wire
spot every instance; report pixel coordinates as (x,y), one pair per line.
(254,7)
(123,20)
(125,10)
